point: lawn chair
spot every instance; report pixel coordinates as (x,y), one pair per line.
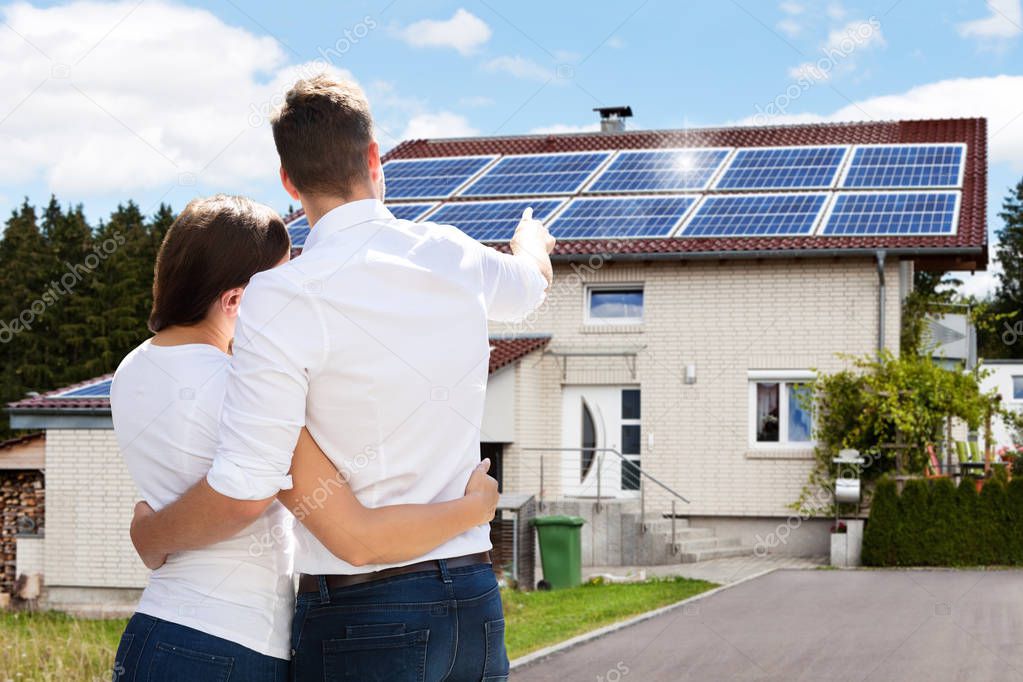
(933,466)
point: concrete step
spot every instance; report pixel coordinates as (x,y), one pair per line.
(655,524)
(704,544)
(717,553)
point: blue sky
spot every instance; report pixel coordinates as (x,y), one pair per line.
(167,100)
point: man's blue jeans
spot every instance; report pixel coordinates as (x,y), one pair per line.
(430,626)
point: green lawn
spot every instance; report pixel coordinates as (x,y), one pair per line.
(48,647)
(538,619)
(52,646)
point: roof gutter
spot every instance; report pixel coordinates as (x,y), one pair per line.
(776,253)
(43,411)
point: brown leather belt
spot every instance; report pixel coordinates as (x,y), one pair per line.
(311,583)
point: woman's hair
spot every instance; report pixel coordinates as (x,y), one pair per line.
(216,244)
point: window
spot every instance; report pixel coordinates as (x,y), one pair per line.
(614,305)
(779,411)
(631,432)
(1017,388)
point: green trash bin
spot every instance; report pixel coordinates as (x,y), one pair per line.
(560,551)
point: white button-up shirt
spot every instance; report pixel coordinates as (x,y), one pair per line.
(375,338)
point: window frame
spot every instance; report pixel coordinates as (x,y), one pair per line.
(612,321)
(784,378)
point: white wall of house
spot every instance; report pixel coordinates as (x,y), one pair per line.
(1000,378)
(728,318)
(89,503)
(499,409)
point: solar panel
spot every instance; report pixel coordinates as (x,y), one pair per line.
(782,168)
(536,174)
(892,166)
(410,211)
(97,390)
(435,178)
(298,229)
(659,170)
(622,217)
(492,221)
(893,213)
(756,215)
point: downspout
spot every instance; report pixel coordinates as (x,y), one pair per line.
(880,255)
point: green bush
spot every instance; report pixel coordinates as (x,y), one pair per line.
(914,518)
(938,524)
(942,547)
(882,527)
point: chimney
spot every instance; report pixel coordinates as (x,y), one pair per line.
(612,119)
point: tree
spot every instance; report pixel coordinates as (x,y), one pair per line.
(1008,298)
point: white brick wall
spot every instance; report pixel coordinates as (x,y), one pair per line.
(89,502)
(727,318)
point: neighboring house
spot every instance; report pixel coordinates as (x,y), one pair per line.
(22,496)
(1005,377)
(702,278)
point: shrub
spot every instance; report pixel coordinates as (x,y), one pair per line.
(992,525)
(882,526)
(940,536)
(914,519)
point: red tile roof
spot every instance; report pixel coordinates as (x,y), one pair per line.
(970,239)
(46,402)
(503,352)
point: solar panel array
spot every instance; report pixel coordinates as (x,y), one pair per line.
(621,217)
(492,221)
(756,215)
(298,230)
(535,174)
(783,168)
(900,166)
(98,390)
(430,178)
(893,213)
(814,190)
(660,170)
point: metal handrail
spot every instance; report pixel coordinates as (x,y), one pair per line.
(601,451)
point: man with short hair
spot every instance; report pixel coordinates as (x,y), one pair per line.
(376,340)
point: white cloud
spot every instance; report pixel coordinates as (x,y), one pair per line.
(836,11)
(476,101)
(439,124)
(464,32)
(839,50)
(991,97)
(790,7)
(1005,21)
(170,96)
(790,27)
(519,67)
(615,42)
(565,128)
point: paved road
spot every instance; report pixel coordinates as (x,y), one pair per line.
(788,626)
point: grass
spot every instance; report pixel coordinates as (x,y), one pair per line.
(538,619)
(52,646)
(45,647)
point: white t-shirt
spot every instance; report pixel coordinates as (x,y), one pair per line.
(166,403)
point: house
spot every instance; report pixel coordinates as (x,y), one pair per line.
(1005,377)
(702,278)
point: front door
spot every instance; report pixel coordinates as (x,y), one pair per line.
(596,418)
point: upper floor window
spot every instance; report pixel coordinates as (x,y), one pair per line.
(614,304)
(1017,388)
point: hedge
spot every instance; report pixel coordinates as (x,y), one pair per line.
(934,523)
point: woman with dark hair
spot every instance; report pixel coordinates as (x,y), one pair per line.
(224,612)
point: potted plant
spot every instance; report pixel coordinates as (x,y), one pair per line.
(839,545)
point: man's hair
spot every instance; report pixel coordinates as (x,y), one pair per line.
(215,245)
(322,133)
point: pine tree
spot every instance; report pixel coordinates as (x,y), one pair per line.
(1009,295)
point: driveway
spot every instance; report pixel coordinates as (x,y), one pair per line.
(902,626)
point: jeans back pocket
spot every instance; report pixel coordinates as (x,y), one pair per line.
(376,657)
(177,664)
(495,669)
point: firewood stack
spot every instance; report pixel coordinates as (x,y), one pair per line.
(21,512)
